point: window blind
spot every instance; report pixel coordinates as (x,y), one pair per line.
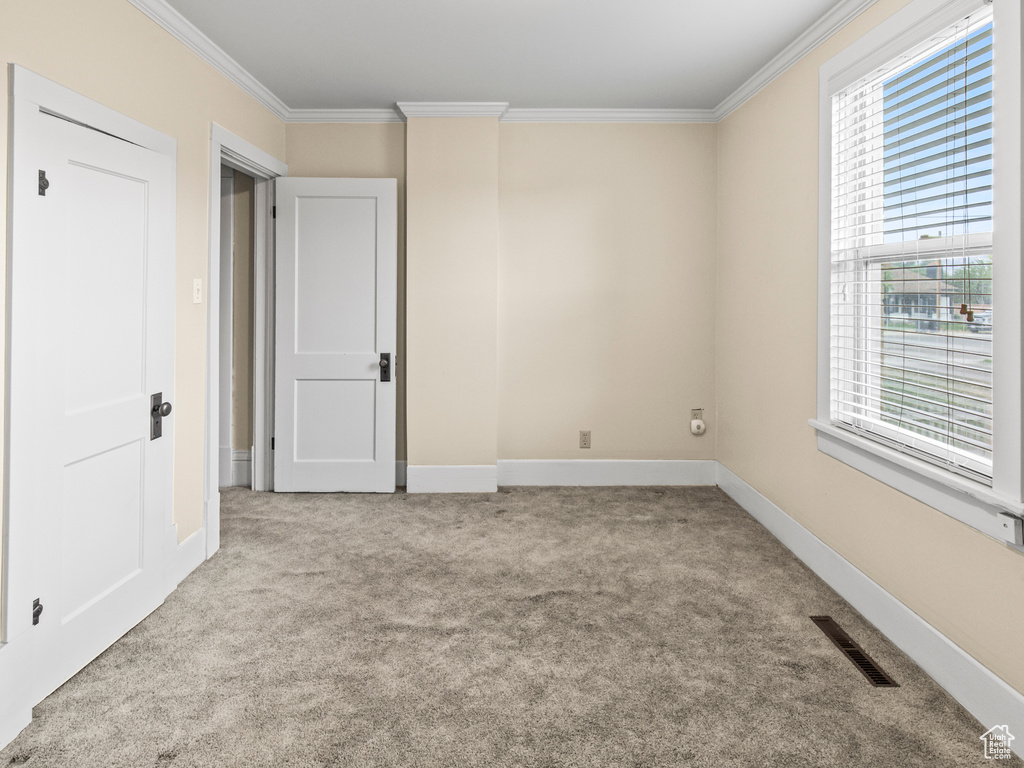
(911,299)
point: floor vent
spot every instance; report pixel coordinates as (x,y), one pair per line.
(854,652)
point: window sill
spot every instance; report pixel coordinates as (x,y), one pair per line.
(969,502)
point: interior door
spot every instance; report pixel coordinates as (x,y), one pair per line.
(92,340)
(336,305)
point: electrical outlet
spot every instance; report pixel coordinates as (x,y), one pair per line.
(696,413)
(197,291)
(584,438)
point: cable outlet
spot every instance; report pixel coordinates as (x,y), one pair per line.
(584,438)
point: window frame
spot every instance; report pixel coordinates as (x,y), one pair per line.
(997,510)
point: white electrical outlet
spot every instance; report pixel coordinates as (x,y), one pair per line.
(197,291)
(584,438)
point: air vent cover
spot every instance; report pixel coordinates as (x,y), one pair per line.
(854,652)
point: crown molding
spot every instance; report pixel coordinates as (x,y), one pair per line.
(181,28)
(343,116)
(609,116)
(453,108)
(834,20)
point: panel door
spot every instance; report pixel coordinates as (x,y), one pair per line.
(92,338)
(336,306)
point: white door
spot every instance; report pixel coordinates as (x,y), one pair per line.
(334,423)
(92,340)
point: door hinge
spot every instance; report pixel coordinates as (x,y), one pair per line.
(44,183)
(273,212)
(37,611)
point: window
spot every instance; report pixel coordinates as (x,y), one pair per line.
(911,347)
(919,343)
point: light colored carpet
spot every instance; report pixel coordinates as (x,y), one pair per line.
(582,627)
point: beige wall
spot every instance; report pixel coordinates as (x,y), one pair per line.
(109,51)
(355,150)
(606,287)
(967,586)
(452,225)
(242,289)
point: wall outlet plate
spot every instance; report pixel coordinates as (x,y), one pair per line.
(696,413)
(584,438)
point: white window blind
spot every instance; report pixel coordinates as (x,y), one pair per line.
(911,252)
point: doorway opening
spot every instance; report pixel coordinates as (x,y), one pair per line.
(227,149)
(237,326)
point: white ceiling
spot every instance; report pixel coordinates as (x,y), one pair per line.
(572,54)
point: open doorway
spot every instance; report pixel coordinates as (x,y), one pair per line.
(237,327)
(238,154)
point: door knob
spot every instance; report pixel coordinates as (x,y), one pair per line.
(385,366)
(157,410)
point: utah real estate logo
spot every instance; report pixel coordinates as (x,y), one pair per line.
(997,742)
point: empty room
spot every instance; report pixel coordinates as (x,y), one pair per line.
(464,383)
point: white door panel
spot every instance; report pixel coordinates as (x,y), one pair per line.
(92,338)
(336,314)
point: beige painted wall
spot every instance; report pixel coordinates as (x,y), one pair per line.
(360,150)
(451,295)
(242,289)
(109,51)
(606,286)
(969,587)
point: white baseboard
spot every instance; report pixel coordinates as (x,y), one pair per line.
(982,693)
(187,556)
(241,468)
(211,524)
(605,472)
(400,473)
(465,478)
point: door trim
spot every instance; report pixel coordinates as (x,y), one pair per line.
(228,149)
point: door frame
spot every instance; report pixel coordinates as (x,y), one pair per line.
(18,657)
(228,149)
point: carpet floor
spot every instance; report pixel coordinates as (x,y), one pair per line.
(584,627)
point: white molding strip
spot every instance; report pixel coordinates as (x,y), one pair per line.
(962,499)
(837,18)
(466,478)
(609,116)
(453,108)
(184,558)
(211,524)
(241,468)
(990,699)
(605,472)
(190,36)
(343,116)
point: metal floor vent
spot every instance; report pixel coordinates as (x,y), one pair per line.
(875,675)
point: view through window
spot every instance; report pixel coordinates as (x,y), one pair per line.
(911,304)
